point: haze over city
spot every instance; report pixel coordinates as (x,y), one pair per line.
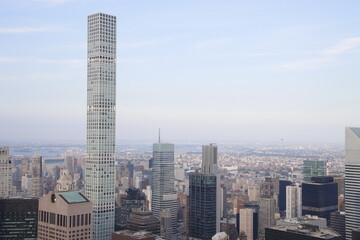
(199,70)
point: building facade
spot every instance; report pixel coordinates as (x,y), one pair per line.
(352,180)
(101,101)
(64,216)
(205,197)
(5,173)
(320,197)
(314,168)
(249,223)
(293,201)
(18,218)
(163,192)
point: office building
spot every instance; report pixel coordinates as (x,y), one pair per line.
(204,196)
(282,194)
(5,173)
(163,192)
(293,201)
(314,168)
(132,235)
(165,224)
(249,223)
(355,234)
(36,173)
(64,216)
(65,182)
(101,101)
(319,197)
(143,220)
(352,180)
(306,219)
(18,218)
(133,199)
(266,214)
(337,222)
(301,232)
(270,188)
(254,193)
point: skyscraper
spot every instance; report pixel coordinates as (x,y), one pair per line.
(319,197)
(352,179)
(293,201)
(101,100)
(36,172)
(163,192)
(5,173)
(204,197)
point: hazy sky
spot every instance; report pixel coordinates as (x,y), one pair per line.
(207,70)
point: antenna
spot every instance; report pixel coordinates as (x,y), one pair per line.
(159,135)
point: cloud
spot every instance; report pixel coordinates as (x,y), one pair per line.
(213,43)
(25,30)
(326,56)
(144,43)
(41,60)
(306,64)
(344,45)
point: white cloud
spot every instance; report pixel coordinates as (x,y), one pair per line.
(344,45)
(306,64)
(24,30)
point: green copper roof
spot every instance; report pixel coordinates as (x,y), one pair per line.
(73,197)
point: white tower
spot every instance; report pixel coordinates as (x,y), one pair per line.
(293,201)
(352,180)
(101,101)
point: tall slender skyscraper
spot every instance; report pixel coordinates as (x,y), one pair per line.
(352,180)
(163,192)
(101,100)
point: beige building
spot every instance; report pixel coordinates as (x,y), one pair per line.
(5,173)
(254,193)
(64,215)
(247,222)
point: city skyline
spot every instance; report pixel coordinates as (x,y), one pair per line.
(248,72)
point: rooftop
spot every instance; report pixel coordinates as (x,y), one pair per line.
(73,197)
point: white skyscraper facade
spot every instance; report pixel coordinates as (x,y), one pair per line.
(293,201)
(101,100)
(5,173)
(163,192)
(352,180)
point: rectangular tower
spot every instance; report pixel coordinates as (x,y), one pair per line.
(101,100)
(352,179)
(163,192)
(293,201)
(5,173)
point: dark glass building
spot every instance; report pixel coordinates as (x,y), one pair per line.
(18,218)
(337,222)
(202,205)
(301,232)
(282,194)
(133,198)
(320,197)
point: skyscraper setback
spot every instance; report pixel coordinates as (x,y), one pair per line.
(101,100)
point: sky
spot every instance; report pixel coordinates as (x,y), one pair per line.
(201,70)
